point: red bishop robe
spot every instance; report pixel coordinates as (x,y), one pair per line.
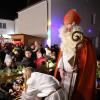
(86,77)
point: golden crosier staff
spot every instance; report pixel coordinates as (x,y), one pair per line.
(76,36)
(26,74)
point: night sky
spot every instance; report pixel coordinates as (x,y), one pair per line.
(8,8)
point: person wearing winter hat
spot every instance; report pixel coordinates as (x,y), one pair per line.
(76,61)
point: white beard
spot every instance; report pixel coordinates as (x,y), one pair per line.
(67,44)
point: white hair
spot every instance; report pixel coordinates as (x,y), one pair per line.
(67,44)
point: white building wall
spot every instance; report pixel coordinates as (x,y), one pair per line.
(33,20)
(16,26)
(9,27)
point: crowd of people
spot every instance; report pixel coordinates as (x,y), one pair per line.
(13,58)
(35,55)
